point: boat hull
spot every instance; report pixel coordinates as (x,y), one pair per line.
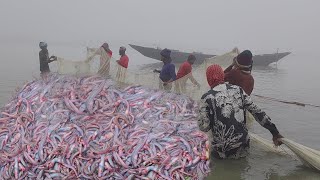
(179,57)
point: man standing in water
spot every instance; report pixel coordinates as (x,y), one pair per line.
(168,71)
(223,113)
(44,59)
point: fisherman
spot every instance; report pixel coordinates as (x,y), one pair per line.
(105,46)
(123,64)
(239,72)
(105,55)
(124,60)
(222,111)
(168,71)
(45,59)
(184,73)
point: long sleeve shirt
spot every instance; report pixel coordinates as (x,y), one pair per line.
(222,111)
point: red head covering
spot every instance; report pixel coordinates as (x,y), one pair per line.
(215,75)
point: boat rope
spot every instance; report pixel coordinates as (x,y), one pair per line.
(287,102)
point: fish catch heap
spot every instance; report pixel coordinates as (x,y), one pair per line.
(87,128)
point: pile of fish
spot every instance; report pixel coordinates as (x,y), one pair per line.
(87,128)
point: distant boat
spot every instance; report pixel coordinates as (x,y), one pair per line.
(179,57)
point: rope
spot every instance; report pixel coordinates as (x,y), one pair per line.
(287,102)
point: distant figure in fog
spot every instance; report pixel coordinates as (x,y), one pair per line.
(45,59)
(105,56)
(105,46)
(123,63)
(185,73)
(124,60)
(168,71)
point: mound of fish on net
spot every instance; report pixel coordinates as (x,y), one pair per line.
(87,128)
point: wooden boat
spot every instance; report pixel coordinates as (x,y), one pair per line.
(179,57)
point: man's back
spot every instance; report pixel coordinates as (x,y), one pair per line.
(168,72)
(225,104)
(184,69)
(239,78)
(223,110)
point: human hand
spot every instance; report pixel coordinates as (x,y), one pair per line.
(277,139)
(54,58)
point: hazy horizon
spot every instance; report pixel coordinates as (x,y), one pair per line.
(289,25)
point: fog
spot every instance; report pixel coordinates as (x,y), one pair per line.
(204,25)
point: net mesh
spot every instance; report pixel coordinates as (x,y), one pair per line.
(99,62)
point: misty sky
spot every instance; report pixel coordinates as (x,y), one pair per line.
(259,25)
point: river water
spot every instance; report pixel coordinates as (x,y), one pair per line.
(294,79)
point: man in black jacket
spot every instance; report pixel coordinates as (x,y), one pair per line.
(45,59)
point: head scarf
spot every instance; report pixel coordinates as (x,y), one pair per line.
(105,45)
(191,57)
(215,75)
(43,45)
(244,59)
(166,53)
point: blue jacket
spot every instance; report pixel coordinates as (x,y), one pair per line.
(168,72)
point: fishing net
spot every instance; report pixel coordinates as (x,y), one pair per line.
(309,157)
(187,84)
(99,62)
(90,65)
(268,145)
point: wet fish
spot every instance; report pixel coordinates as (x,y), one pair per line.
(85,128)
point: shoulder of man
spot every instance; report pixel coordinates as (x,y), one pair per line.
(230,75)
(232,86)
(185,64)
(205,95)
